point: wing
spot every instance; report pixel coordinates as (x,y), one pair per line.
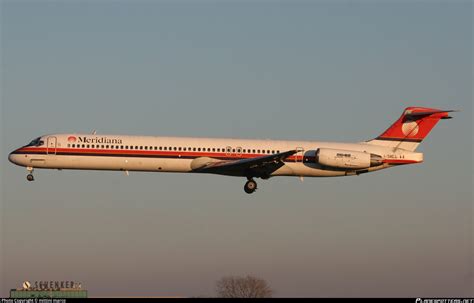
(254,167)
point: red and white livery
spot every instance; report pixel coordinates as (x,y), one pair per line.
(233,157)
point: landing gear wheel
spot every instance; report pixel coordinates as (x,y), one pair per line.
(30,177)
(250,186)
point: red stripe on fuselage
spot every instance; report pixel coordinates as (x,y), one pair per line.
(129,152)
(391,161)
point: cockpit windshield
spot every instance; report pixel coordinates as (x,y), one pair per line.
(36,142)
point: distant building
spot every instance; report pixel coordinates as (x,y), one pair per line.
(49,289)
(62,293)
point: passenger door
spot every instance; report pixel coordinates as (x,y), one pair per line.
(51,145)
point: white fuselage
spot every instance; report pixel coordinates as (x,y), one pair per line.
(180,154)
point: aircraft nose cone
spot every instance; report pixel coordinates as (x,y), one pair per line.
(13,158)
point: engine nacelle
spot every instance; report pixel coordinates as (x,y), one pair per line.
(347,159)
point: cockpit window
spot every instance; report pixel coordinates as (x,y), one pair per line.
(36,142)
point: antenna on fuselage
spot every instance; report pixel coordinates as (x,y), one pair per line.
(94,132)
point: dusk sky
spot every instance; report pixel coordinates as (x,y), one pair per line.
(312,70)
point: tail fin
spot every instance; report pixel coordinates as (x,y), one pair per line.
(411,128)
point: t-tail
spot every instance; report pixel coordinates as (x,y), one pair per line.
(411,128)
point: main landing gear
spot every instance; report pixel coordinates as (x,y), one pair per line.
(30,177)
(250,186)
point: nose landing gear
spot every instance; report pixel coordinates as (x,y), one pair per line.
(30,177)
(250,186)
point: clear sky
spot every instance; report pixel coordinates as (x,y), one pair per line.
(313,70)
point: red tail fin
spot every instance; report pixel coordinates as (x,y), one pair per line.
(411,128)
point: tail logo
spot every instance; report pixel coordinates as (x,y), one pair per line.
(410,129)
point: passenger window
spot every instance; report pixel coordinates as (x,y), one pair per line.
(213,149)
(253,150)
(199,149)
(194,149)
(179,148)
(146,147)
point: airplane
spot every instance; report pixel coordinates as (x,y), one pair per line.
(233,157)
